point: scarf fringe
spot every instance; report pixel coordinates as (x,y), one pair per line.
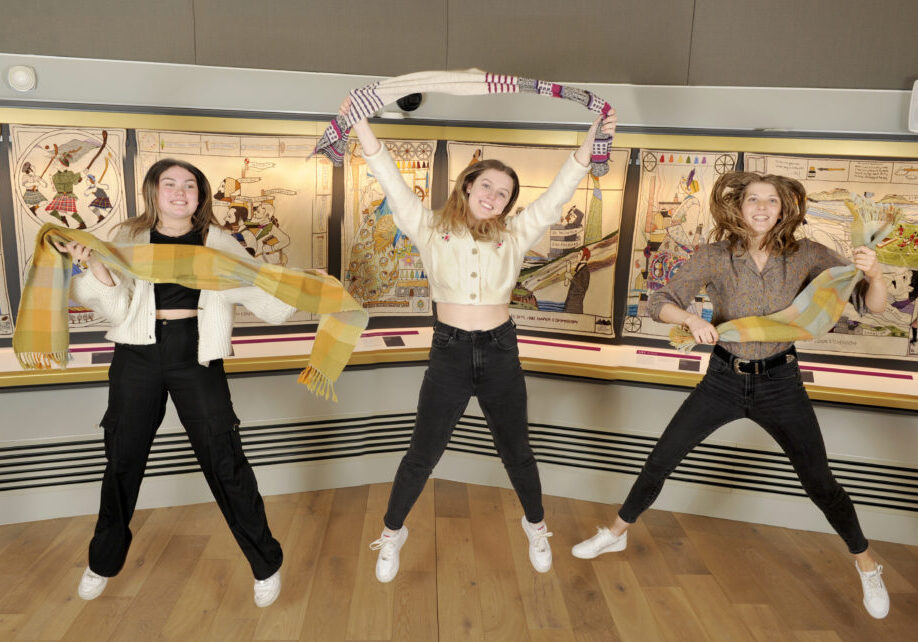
(877,220)
(317,383)
(43,360)
(680,339)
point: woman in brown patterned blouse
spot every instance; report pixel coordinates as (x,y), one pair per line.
(754,266)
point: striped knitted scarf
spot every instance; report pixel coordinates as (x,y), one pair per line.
(819,306)
(42,334)
(367,100)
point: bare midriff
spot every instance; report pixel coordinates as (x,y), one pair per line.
(176,314)
(473,317)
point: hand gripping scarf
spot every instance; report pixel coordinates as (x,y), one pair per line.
(367,100)
(42,334)
(819,306)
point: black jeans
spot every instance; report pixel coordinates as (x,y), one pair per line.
(776,400)
(139,378)
(485,364)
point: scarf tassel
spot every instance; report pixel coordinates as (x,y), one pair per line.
(317,383)
(43,360)
(681,339)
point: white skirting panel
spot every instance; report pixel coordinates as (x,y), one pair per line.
(375,416)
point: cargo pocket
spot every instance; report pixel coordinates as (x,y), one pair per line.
(225,445)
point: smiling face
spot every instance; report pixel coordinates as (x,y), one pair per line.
(176,196)
(489,194)
(761,209)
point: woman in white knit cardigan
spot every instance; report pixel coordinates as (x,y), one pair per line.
(171,340)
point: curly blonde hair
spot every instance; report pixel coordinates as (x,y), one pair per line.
(456,215)
(726,209)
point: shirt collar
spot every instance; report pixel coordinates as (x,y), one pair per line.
(740,255)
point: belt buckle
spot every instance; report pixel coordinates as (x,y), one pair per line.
(738,364)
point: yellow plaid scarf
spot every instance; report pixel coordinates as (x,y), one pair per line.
(42,333)
(819,306)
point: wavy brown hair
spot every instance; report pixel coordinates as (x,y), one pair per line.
(456,215)
(204,214)
(726,209)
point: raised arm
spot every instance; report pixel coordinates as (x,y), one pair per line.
(546,210)
(408,211)
(584,153)
(367,138)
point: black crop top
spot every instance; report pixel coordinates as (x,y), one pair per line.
(172,296)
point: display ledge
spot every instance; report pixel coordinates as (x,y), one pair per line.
(824,382)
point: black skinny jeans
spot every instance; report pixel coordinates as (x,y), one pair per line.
(481,363)
(777,401)
(140,377)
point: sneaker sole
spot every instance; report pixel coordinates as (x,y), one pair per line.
(607,549)
(871,614)
(386,580)
(263,605)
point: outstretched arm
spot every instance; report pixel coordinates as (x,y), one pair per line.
(546,210)
(408,212)
(584,154)
(368,139)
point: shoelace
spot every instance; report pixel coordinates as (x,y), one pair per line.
(873,581)
(384,545)
(540,540)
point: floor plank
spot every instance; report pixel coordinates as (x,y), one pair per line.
(465,574)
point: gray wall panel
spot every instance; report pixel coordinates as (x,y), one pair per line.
(579,40)
(161,31)
(348,36)
(805,43)
(780,43)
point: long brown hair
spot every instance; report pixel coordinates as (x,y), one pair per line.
(204,214)
(726,209)
(456,215)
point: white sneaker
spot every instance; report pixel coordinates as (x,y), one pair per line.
(388,547)
(266,591)
(91,585)
(876,599)
(539,550)
(602,542)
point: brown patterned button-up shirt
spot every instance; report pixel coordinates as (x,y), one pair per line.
(737,289)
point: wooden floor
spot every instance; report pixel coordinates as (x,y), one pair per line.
(465,574)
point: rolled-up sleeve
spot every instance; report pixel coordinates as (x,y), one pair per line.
(688,281)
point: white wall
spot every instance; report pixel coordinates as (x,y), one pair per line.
(59,414)
(144,84)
